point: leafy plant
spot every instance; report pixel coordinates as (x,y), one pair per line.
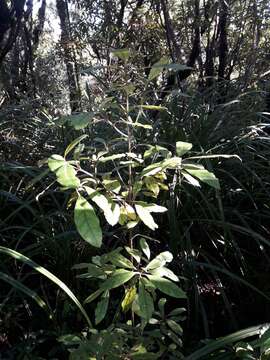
(142,276)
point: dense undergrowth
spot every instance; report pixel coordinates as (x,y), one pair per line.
(219,237)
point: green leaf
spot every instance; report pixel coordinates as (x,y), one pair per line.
(172,163)
(161,306)
(177,311)
(190,166)
(69,339)
(92,271)
(122,54)
(74,143)
(112,185)
(64,171)
(175,327)
(146,217)
(206,177)
(145,248)
(152,150)
(116,213)
(217,156)
(164,272)
(66,176)
(154,208)
(153,107)
(167,287)
(129,298)
(136,254)
(182,147)
(93,296)
(103,203)
(160,260)
(55,162)
(78,151)
(79,121)
(190,179)
(118,277)
(121,261)
(132,224)
(102,307)
(157,68)
(129,88)
(87,223)
(152,185)
(152,169)
(174,338)
(111,157)
(145,302)
(154,264)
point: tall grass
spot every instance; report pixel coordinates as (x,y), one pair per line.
(222,237)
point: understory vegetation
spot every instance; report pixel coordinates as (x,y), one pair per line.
(134,179)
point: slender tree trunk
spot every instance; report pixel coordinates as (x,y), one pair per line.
(171,39)
(121,14)
(69,56)
(223,41)
(40,25)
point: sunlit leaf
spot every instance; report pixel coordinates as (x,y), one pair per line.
(146,217)
(164,272)
(111,157)
(167,287)
(182,148)
(103,203)
(129,298)
(145,248)
(190,179)
(64,171)
(136,254)
(160,260)
(115,213)
(206,177)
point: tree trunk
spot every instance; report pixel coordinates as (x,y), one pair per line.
(69,56)
(223,41)
(10,24)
